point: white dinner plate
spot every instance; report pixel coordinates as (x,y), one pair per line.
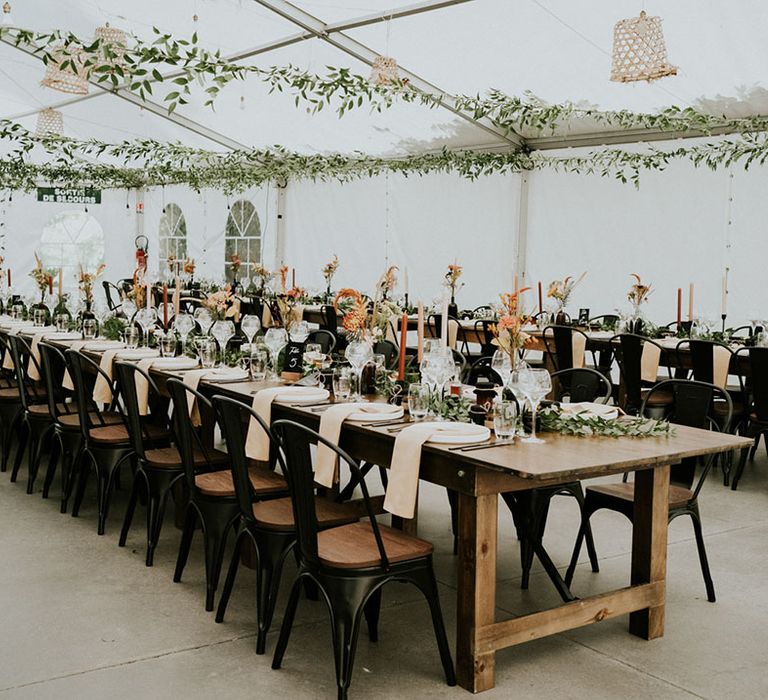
(177,363)
(375,412)
(138,354)
(63,335)
(448,433)
(102,345)
(225,375)
(302,394)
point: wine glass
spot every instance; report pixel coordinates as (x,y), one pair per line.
(502,365)
(203,317)
(536,384)
(128,307)
(223,331)
(184,324)
(275,339)
(146,318)
(299,331)
(250,325)
(358,352)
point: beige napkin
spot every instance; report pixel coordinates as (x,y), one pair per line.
(102,392)
(266,317)
(257,441)
(327,461)
(32,372)
(192,380)
(8,359)
(403,487)
(721,360)
(453,332)
(578,347)
(649,362)
(142,385)
(67,382)
(587,409)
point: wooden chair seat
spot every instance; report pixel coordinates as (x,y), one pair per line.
(625,491)
(354,546)
(277,514)
(10,394)
(117,434)
(169,458)
(71,421)
(659,398)
(220,485)
(41,409)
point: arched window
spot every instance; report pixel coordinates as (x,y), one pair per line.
(173,234)
(242,237)
(69,240)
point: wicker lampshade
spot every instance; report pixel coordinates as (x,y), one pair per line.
(639,51)
(66,78)
(115,40)
(50,122)
(384,71)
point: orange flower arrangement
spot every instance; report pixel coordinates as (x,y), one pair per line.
(287,301)
(508,332)
(354,307)
(638,292)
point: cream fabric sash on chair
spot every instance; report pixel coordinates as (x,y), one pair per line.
(649,362)
(192,380)
(257,441)
(326,463)
(102,391)
(266,317)
(32,372)
(403,486)
(578,348)
(142,385)
(721,360)
(453,333)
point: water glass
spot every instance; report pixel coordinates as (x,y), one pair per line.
(342,384)
(39,317)
(206,348)
(132,337)
(62,322)
(504,419)
(17,312)
(168,344)
(90,328)
(418,401)
(259,364)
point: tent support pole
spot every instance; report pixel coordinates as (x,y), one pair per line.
(521,256)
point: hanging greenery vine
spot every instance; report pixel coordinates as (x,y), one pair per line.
(146,162)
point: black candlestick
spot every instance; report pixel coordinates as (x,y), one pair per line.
(723,317)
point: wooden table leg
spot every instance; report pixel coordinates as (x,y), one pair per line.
(476,595)
(649,545)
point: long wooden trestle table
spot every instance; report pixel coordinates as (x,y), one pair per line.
(480,476)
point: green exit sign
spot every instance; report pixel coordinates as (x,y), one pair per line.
(69,195)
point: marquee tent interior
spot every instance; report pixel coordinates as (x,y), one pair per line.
(535,223)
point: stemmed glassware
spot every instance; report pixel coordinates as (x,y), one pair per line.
(250,325)
(502,365)
(183,324)
(223,331)
(359,353)
(535,384)
(203,317)
(146,318)
(275,339)
(128,307)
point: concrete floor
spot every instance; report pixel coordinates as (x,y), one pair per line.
(82,618)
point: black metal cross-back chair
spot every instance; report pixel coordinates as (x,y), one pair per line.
(390,352)
(603,321)
(481,369)
(34,424)
(268,524)
(692,407)
(66,440)
(756,416)
(329,320)
(10,408)
(558,344)
(349,564)
(158,464)
(628,350)
(530,508)
(106,444)
(484,333)
(212,496)
(325,339)
(109,290)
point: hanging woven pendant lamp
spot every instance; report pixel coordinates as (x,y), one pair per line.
(50,122)
(66,72)
(384,71)
(639,51)
(114,43)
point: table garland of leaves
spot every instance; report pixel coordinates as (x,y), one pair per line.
(553,420)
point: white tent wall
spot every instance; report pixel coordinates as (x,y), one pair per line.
(672,231)
(25,220)
(206,214)
(422,223)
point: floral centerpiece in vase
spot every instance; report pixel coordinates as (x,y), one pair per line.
(560,291)
(452,282)
(44,281)
(386,283)
(236,263)
(508,331)
(356,321)
(329,270)
(224,309)
(283,277)
(189,270)
(290,304)
(637,295)
(261,277)
(85,282)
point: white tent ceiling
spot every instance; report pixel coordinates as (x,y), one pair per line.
(557,49)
